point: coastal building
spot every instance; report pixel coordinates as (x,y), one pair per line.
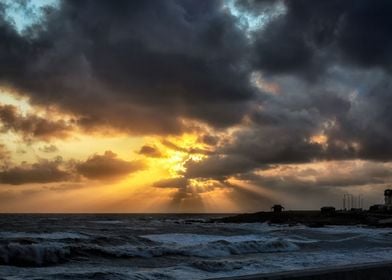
(277,208)
(387,206)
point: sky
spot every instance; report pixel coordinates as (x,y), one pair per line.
(193,106)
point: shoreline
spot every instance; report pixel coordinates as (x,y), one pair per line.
(361,271)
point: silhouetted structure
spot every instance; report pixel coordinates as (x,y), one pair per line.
(327,210)
(387,206)
(388,199)
(277,208)
(377,208)
(351,202)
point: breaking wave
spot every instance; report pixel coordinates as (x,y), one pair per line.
(32,254)
(219,248)
(221,265)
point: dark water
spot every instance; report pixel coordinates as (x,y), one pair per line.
(173,247)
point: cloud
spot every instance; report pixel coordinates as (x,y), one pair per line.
(210,140)
(107,166)
(151,64)
(194,61)
(347,109)
(44,171)
(64,187)
(337,174)
(32,126)
(150,151)
(49,149)
(189,61)
(312,36)
(320,89)
(6,196)
(192,150)
(97,167)
(177,183)
(219,166)
(5,156)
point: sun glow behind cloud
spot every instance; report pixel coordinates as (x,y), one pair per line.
(134,192)
(165,158)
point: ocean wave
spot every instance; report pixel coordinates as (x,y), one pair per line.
(44,235)
(224,248)
(111,276)
(17,254)
(108,222)
(189,239)
(213,249)
(98,275)
(221,265)
(125,251)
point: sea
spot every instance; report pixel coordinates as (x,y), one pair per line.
(172,246)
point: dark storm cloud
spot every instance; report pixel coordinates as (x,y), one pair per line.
(313,34)
(338,175)
(142,66)
(210,140)
(107,166)
(44,171)
(255,6)
(31,126)
(139,65)
(371,121)
(354,123)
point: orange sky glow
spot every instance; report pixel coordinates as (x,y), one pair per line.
(154,186)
